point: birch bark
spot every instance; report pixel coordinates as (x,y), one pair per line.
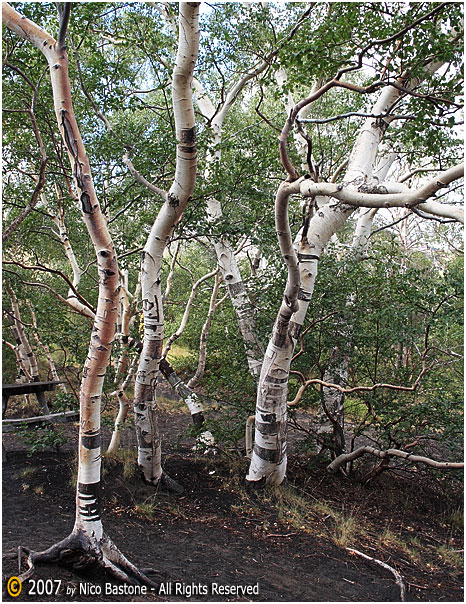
(88,532)
(145,409)
(223,249)
(268,460)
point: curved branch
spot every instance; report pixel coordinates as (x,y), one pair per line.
(139,177)
(85,312)
(392,199)
(383,454)
(187,311)
(53,271)
(398,578)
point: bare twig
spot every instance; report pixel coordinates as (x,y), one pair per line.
(398,578)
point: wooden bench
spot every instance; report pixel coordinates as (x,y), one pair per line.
(37,388)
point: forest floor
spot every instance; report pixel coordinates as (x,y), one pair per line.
(288,543)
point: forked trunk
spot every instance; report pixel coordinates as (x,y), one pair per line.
(268,460)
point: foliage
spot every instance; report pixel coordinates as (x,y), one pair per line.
(42,438)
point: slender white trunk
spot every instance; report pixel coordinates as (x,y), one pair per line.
(223,249)
(45,348)
(213,305)
(187,310)
(88,520)
(149,446)
(124,404)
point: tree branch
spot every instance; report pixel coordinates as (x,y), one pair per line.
(392,199)
(64,13)
(346,457)
(138,176)
(47,269)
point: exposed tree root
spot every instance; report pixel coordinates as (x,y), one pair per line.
(80,551)
(385,454)
(167,483)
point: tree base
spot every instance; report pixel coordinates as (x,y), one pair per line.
(80,551)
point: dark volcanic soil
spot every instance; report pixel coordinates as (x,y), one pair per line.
(217,532)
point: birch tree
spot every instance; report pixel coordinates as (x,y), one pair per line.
(87,539)
(268,460)
(149,446)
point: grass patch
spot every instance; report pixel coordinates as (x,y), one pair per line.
(299,513)
(171,406)
(146,509)
(127,457)
(25,473)
(454,558)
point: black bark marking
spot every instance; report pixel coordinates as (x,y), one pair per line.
(89,511)
(146,305)
(236,288)
(173,200)
(79,177)
(192,149)
(280,333)
(198,419)
(86,205)
(188,135)
(268,428)
(294,330)
(274,380)
(381,124)
(303,295)
(91,441)
(166,368)
(267,454)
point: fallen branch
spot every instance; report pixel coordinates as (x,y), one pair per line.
(346,457)
(398,578)
(10,425)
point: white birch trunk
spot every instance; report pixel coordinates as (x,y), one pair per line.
(71,298)
(213,305)
(124,405)
(45,348)
(187,310)
(225,254)
(88,521)
(268,460)
(149,446)
(26,351)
